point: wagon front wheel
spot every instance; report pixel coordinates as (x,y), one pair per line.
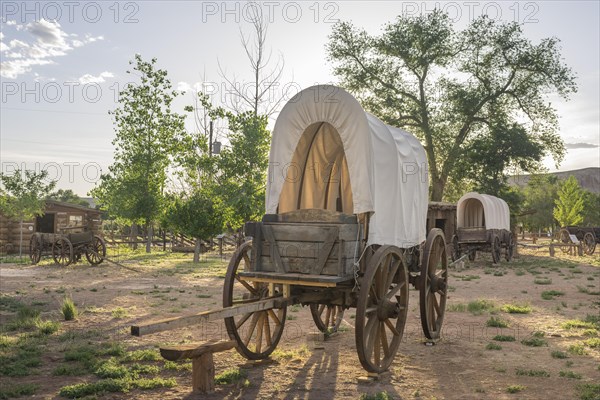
(433,284)
(328,318)
(455,248)
(256,333)
(510,247)
(35,249)
(496,249)
(589,243)
(381,309)
(62,252)
(565,238)
(96,252)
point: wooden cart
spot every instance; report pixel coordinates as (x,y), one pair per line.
(483,224)
(587,236)
(67,248)
(355,239)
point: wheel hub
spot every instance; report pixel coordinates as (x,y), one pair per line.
(388,309)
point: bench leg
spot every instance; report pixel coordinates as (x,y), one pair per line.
(203,373)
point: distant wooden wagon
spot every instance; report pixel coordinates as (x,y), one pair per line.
(587,236)
(483,224)
(67,248)
(58,218)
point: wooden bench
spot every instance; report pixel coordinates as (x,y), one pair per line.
(201,354)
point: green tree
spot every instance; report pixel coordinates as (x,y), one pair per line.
(591,209)
(198,214)
(450,87)
(540,194)
(568,207)
(22,196)
(148,138)
(68,196)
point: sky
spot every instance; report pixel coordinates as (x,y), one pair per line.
(63,64)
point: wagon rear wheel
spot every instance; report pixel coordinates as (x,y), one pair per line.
(96,251)
(565,238)
(328,318)
(589,243)
(62,251)
(381,309)
(35,249)
(510,247)
(256,333)
(472,255)
(433,284)
(496,249)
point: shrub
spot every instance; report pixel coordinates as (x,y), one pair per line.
(68,309)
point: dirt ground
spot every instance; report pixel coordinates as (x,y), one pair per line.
(459,366)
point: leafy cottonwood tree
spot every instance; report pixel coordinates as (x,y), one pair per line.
(591,209)
(569,204)
(148,136)
(22,197)
(68,196)
(198,215)
(449,87)
(540,194)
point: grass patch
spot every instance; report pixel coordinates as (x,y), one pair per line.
(68,309)
(578,324)
(142,355)
(516,308)
(551,294)
(177,366)
(18,390)
(594,343)
(460,307)
(570,375)
(376,396)
(542,281)
(69,370)
(559,354)
(493,346)
(515,388)
(540,373)
(113,386)
(534,342)
(292,354)
(589,391)
(230,375)
(577,349)
(480,306)
(119,313)
(47,327)
(496,323)
(504,338)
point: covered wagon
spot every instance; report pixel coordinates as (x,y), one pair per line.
(483,224)
(345,226)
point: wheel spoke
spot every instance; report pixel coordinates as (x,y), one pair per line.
(275,317)
(391,326)
(267,330)
(392,274)
(395,290)
(246,285)
(377,346)
(243,320)
(259,332)
(251,330)
(383,337)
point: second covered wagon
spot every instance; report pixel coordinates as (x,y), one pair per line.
(482,224)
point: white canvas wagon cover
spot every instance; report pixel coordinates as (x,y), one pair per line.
(482,210)
(328,153)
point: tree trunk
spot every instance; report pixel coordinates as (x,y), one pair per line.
(133,236)
(21,238)
(437,189)
(197,251)
(149,237)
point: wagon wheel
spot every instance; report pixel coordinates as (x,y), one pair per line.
(589,243)
(433,283)
(496,249)
(96,251)
(256,333)
(565,239)
(455,248)
(510,247)
(35,249)
(472,255)
(381,309)
(62,251)
(327,317)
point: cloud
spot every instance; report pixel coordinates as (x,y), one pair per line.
(581,145)
(87,78)
(183,86)
(49,41)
